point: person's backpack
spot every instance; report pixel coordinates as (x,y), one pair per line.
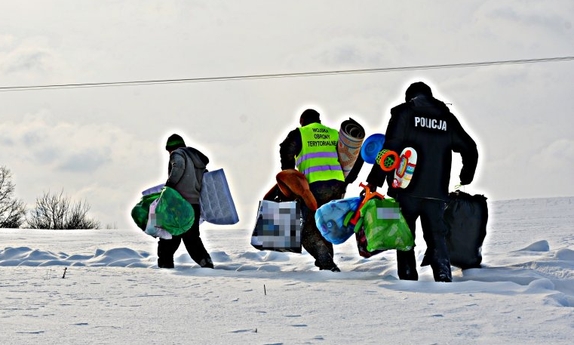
(466,217)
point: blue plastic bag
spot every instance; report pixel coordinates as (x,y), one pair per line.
(332,219)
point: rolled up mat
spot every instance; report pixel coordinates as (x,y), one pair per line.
(371,147)
(351,137)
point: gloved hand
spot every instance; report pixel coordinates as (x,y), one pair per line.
(372,187)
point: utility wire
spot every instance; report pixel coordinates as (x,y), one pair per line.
(283,75)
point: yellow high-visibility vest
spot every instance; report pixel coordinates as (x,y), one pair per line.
(318,159)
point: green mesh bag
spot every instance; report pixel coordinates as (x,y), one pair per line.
(384,226)
(173,213)
(141,210)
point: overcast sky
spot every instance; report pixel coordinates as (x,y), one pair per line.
(106,144)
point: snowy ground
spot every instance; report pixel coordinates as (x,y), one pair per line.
(113,293)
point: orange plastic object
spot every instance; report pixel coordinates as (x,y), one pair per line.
(368,195)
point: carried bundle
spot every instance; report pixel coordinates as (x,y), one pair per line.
(376,221)
(278,224)
(402,166)
(216,202)
(332,219)
(466,217)
(166,210)
(383,227)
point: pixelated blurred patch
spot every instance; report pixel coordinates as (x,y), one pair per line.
(392,212)
(278,227)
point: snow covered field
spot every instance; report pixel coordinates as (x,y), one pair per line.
(103,287)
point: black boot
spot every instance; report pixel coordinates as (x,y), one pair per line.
(206,263)
(325,262)
(441,272)
(440,264)
(163,263)
(441,269)
(407,265)
(333,268)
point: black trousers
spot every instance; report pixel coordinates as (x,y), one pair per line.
(193,244)
(431,213)
(311,238)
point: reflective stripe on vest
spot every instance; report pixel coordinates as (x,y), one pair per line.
(318,159)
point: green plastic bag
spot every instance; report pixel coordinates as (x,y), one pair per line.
(173,212)
(384,226)
(141,209)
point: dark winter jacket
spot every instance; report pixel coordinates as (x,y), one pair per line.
(289,148)
(186,168)
(427,125)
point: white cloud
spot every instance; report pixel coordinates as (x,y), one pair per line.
(346,52)
(551,19)
(26,60)
(96,162)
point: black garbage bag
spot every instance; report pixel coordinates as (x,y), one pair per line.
(466,217)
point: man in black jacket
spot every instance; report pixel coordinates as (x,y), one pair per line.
(427,125)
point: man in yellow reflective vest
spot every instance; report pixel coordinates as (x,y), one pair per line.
(312,149)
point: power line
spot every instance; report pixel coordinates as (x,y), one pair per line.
(283,75)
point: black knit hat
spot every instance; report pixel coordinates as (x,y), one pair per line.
(173,142)
(309,116)
(418,88)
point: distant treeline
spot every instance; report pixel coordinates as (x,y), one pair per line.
(51,211)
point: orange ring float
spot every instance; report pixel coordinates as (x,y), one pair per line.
(386,155)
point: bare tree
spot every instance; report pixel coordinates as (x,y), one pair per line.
(57,212)
(12,210)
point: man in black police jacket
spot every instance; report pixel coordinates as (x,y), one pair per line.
(427,125)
